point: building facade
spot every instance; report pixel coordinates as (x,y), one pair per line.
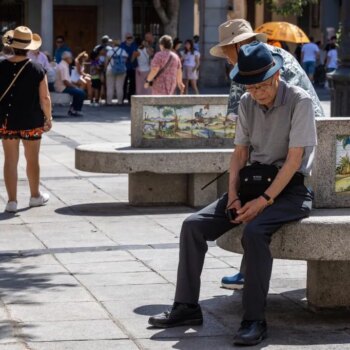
(84,22)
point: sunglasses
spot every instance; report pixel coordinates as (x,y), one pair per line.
(129,38)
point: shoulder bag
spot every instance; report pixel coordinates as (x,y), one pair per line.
(161,70)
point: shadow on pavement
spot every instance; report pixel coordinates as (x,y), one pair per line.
(289,324)
(118,209)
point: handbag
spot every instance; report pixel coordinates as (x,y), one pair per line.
(161,70)
(255,179)
(13,81)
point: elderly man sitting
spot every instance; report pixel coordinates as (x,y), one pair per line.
(64,84)
(276,126)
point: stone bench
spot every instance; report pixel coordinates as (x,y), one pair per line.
(159,176)
(323,240)
(60,99)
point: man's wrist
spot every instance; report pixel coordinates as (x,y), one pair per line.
(269,200)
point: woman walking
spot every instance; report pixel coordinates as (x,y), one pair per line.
(143,55)
(25,113)
(190,61)
(166,71)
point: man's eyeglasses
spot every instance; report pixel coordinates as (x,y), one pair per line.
(259,87)
(59,42)
(129,38)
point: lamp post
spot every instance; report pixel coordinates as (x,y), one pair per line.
(340,78)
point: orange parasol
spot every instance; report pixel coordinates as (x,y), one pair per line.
(283,31)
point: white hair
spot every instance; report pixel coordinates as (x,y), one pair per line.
(66,54)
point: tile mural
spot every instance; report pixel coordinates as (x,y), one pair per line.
(342,171)
(188,122)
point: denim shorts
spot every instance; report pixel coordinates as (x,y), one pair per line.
(309,67)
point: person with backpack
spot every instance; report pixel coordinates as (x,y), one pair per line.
(115,66)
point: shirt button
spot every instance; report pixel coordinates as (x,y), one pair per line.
(14,74)
(10,105)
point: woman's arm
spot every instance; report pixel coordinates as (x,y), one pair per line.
(179,81)
(45,102)
(151,75)
(196,58)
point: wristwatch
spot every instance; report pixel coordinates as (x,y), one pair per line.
(148,81)
(268,198)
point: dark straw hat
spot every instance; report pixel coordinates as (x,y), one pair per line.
(255,64)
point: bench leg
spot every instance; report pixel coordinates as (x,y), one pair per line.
(157,189)
(328,284)
(198,197)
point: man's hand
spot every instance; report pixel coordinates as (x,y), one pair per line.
(235,205)
(251,209)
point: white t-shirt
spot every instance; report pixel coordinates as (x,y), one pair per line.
(62,73)
(117,51)
(189,58)
(310,51)
(332,59)
(143,60)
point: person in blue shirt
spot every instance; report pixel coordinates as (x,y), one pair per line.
(130,47)
(60,48)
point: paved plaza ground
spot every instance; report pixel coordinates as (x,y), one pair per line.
(86,271)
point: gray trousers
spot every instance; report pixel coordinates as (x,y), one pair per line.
(294,203)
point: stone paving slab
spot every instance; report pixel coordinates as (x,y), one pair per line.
(72,330)
(12,347)
(52,312)
(84,345)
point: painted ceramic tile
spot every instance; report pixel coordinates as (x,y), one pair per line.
(176,122)
(342,173)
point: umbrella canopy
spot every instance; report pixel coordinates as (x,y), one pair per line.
(283,31)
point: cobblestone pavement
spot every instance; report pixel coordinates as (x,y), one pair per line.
(86,271)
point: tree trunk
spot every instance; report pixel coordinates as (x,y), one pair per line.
(169,15)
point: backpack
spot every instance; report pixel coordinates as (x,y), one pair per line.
(118,62)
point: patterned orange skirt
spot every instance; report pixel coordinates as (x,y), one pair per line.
(32,134)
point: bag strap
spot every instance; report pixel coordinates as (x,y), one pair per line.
(163,68)
(114,53)
(13,81)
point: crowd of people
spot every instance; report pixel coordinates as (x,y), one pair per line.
(115,69)
(316,59)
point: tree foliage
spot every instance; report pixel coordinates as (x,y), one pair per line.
(287,7)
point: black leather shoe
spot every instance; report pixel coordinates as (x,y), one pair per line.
(251,333)
(180,315)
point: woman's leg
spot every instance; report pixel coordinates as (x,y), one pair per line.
(119,87)
(31,152)
(186,86)
(194,86)
(109,87)
(11,154)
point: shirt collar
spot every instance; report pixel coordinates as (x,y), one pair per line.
(281,94)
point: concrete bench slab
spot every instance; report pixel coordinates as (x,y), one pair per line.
(159,176)
(323,240)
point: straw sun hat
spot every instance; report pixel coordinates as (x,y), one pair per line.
(22,38)
(233,32)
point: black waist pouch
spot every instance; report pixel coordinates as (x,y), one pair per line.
(255,179)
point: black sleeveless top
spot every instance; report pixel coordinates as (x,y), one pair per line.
(20,108)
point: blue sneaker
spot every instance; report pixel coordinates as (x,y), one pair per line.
(233,282)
